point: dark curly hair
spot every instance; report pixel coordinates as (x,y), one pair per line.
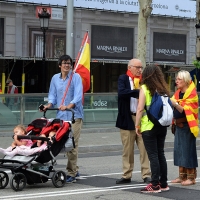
(153,78)
(64,58)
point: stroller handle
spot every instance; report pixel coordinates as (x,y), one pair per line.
(32,137)
(67,109)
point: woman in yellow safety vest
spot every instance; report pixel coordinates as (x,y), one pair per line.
(153,136)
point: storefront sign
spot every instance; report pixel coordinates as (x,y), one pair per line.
(181,8)
(56,13)
(169,47)
(100,103)
(111,42)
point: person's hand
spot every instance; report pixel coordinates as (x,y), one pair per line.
(138,132)
(62,107)
(43,108)
(173,102)
(15,137)
(69,106)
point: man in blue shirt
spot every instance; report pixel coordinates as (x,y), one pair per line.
(73,100)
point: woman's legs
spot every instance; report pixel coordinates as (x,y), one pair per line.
(191,176)
(154,143)
(161,156)
(182,175)
(185,155)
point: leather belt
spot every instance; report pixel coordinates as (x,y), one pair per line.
(133,113)
(179,122)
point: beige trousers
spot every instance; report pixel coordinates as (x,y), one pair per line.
(129,137)
(72,155)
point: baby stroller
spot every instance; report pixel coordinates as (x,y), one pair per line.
(39,167)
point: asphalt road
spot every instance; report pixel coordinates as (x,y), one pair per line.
(99,172)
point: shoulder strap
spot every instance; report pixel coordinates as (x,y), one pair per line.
(70,79)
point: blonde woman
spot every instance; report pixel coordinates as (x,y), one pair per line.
(185,102)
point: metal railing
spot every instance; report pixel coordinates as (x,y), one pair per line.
(100,109)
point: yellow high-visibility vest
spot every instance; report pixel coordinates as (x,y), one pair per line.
(146,124)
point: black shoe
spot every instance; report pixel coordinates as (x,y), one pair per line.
(147,180)
(123,180)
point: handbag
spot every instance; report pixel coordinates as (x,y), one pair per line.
(69,144)
(173,128)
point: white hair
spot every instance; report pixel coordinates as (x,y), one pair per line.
(184,75)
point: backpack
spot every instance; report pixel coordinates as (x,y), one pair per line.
(160,111)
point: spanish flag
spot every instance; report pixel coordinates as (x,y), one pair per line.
(82,64)
(189,102)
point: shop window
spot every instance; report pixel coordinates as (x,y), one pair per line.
(55,43)
(39,42)
(59,46)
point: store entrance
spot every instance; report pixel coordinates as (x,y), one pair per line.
(104,76)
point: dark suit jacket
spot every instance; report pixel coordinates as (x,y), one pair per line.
(124,118)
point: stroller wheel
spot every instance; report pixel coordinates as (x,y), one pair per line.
(18,182)
(4,179)
(59,179)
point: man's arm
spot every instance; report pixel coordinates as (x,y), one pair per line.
(125,92)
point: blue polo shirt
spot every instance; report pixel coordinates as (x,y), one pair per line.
(74,95)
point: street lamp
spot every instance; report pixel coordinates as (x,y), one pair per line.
(44,25)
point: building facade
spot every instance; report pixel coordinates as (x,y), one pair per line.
(171,42)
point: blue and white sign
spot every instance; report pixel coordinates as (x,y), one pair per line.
(179,8)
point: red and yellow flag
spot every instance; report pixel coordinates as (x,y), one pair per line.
(189,102)
(82,64)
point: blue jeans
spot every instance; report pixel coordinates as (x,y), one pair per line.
(154,141)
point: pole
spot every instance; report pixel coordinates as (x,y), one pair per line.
(3,87)
(69,27)
(43,63)
(23,82)
(3,83)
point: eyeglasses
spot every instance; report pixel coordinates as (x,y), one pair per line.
(66,63)
(137,67)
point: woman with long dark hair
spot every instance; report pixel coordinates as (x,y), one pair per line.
(153,136)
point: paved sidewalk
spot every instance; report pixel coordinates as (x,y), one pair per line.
(95,140)
(103,141)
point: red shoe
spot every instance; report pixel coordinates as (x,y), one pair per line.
(151,189)
(163,189)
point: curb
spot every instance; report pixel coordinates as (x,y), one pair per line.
(116,147)
(9,132)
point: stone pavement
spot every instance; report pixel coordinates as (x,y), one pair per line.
(104,140)
(95,140)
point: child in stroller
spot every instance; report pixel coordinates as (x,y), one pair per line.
(23,146)
(39,167)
